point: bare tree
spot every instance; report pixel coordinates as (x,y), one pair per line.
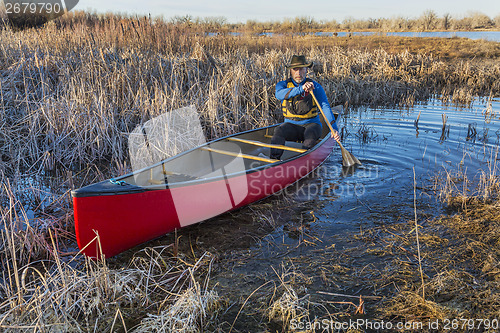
(428,20)
(480,20)
(373,23)
(446,21)
(348,23)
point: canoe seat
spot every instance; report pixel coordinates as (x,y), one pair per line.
(268,145)
(245,156)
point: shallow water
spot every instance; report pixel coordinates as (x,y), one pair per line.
(393,150)
(334,206)
(397,156)
(493,36)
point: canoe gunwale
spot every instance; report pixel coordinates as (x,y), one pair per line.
(155,187)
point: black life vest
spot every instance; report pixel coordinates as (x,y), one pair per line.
(299,107)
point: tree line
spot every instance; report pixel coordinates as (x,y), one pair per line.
(429,20)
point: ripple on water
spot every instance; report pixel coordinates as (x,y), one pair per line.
(391,149)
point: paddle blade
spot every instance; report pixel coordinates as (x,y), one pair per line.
(348,159)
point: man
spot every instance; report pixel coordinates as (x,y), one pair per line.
(302,122)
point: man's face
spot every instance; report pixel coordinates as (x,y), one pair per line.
(298,73)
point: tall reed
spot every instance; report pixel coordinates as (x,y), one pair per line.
(71,91)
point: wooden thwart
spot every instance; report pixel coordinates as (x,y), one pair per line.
(230,153)
(262,144)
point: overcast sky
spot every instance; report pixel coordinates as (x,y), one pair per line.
(265,10)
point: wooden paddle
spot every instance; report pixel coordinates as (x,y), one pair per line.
(348,159)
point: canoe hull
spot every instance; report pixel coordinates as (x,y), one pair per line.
(107,225)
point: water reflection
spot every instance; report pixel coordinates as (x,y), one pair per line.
(487,35)
(391,142)
(493,36)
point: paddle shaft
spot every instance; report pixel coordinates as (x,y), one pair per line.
(348,158)
(323,113)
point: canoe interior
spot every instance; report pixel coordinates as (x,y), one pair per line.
(204,163)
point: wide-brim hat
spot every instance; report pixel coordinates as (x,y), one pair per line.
(299,61)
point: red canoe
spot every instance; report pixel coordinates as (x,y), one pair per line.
(225,174)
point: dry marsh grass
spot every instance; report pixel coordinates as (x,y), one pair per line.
(72,90)
(46,286)
(70,93)
(461,255)
(56,295)
(190,312)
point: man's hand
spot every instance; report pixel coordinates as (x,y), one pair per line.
(308,86)
(336,135)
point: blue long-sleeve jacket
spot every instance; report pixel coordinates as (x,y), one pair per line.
(319,92)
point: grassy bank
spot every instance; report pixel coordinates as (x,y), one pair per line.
(71,91)
(460,252)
